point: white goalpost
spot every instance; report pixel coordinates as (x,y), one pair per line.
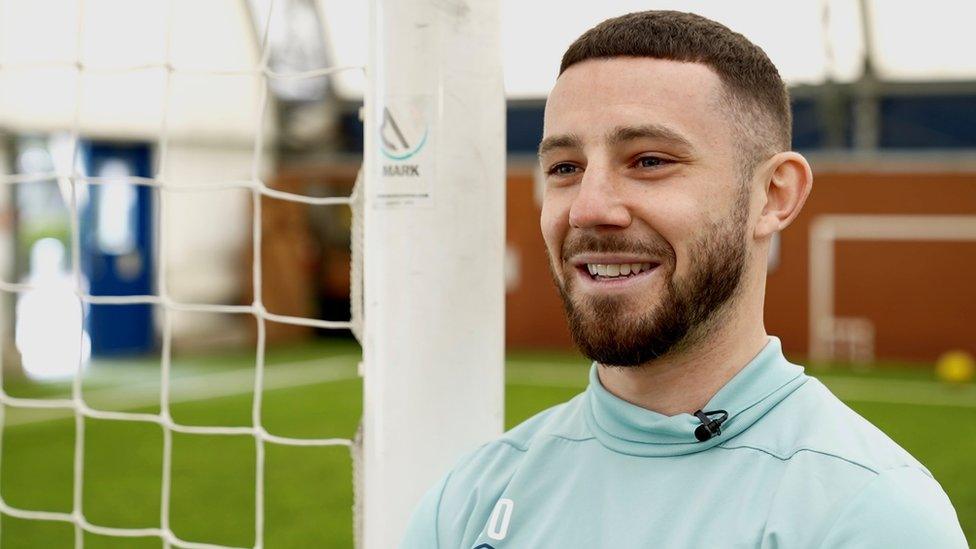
(427,287)
(434,248)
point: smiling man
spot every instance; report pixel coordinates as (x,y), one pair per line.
(668,171)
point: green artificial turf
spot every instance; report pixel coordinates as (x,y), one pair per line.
(308,490)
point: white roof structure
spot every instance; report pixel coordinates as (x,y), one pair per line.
(42,40)
(808,40)
(123,46)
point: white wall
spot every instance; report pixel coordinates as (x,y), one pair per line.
(208,235)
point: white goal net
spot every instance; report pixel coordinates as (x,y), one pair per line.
(427,283)
(74,182)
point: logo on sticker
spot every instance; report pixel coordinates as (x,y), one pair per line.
(402,135)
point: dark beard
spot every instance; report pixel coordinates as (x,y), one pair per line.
(689,307)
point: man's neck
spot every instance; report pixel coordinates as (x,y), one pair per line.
(686,381)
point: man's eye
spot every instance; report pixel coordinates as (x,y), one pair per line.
(562,169)
(651,162)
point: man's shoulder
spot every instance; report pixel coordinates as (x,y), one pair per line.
(815,422)
(497,460)
(563,421)
(857,486)
(476,481)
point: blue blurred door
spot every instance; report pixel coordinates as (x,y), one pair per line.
(117,246)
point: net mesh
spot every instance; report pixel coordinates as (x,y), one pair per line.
(164,185)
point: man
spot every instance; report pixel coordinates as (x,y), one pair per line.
(668,171)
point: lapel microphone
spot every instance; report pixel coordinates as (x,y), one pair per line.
(710,427)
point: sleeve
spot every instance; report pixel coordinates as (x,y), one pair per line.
(900,508)
(422,529)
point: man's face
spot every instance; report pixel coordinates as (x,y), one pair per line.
(645,210)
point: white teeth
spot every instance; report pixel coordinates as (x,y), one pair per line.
(612,270)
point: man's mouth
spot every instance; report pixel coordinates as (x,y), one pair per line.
(610,271)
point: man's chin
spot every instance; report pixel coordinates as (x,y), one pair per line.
(609,308)
(599,335)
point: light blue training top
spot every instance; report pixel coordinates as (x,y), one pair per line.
(793,468)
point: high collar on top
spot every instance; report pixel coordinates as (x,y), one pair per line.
(630,429)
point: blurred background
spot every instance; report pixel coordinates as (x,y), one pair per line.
(131,132)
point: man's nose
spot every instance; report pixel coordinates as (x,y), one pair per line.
(599,202)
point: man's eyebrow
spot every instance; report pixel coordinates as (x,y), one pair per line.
(566,141)
(618,135)
(622,134)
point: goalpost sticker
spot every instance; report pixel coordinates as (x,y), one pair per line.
(406,175)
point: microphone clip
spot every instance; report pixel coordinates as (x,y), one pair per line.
(710,427)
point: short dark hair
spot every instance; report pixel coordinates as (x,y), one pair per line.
(759,101)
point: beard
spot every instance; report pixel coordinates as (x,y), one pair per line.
(606,329)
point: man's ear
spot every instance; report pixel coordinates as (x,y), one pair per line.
(787,184)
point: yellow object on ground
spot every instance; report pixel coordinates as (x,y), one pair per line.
(956,367)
